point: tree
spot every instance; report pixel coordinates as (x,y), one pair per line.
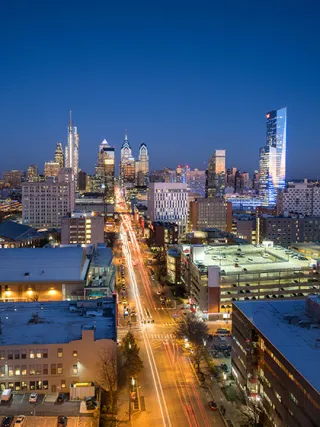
(193,329)
(130,352)
(108,375)
(197,355)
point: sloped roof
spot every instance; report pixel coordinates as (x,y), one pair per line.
(14,231)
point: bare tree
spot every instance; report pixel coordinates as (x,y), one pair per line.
(193,329)
(108,375)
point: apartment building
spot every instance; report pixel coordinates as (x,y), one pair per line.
(213,212)
(44,204)
(275,358)
(168,202)
(48,347)
(301,198)
(82,228)
(216,276)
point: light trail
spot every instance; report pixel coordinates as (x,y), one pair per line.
(154,371)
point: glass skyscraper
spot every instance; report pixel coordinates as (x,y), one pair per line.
(273,157)
(216,174)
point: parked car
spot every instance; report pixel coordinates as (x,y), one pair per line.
(20,421)
(62,421)
(61,398)
(7,421)
(33,398)
(213,405)
(224,367)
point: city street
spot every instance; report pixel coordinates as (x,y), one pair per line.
(169,391)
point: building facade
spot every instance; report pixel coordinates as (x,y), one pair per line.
(33,173)
(105,171)
(216,174)
(59,155)
(142,166)
(213,213)
(273,157)
(301,198)
(82,228)
(196,181)
(12,178)
(51,169)
(168,202)
(72,149)
(275,359)
(44,204)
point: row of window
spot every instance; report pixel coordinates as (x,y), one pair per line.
(33,354)
(30,385)
(17,370)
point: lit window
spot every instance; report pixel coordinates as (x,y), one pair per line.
(60,352)
(31,354)
(75,369)
(32,370)
(17,370)
(294,398)
(10,371)
(75,353)
(39,354)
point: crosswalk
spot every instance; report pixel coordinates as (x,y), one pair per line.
(161,336)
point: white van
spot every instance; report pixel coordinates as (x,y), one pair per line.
(6,395)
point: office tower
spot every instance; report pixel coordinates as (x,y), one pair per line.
(105,171)
(127,164)
(51,169)
(163,175)
(82,181)
(256,181)
(82,228)
(212,213)
(33,173)
(142,166)
(273,157)
(168,202)
(196,181)
(181,173)
(72,150)
(12,178)
(59,155)
(216,172)
(44,204)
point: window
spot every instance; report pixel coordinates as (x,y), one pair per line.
(10,354)
(45,369)
(32,370)
(53,369)
(38,370)
(24,370)
(2,386)
(24,385)
(75,369)
(17,354)
(39,354)
(17,386)
(31,354)
(32,385)
(294,398)
(63,383)
(17,370)
(60,368)
(2,355)
(23,354)
(278,396)
(2,371)
(39,385)
(10,385)
(45,354)
(10,370)
(45,385)
(75,353)
(60,352)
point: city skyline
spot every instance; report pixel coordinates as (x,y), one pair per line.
(200,77)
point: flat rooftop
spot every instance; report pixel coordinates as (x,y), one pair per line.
(56,322)
(43,264)
(102,256)
(248,256)
(299,345)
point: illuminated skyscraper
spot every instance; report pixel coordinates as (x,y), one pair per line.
(72,150)
(216,174)
(33,173)
(142,165)
(58,155)
(51,169)
(273,157)
(127,164)
(105,170)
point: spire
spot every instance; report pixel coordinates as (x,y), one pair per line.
(70,120)
(126,135)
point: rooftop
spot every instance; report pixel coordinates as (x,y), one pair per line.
(102,256)
(56,322)
(299,345)
(248,257)
(17,232)
(43,264)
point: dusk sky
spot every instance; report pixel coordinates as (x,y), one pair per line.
(185,77)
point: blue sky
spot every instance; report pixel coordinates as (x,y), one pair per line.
(185,77)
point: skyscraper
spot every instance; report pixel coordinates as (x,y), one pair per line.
(33,173)
(216,173)
(142,165)
(58,155)
(72,150)
(127,164)
(51,169)
(273,157)
(105,170)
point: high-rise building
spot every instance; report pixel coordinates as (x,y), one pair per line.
(302,198)
(82,228)
(44,204)
(212,213)
(51,169)
(142,165)
(196,181)
(168,202)
(127,164)
(82,181)
(13,178)
(216,172)
(59,155)
(33,173)
(105,170)
(273,157)
(72,150)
